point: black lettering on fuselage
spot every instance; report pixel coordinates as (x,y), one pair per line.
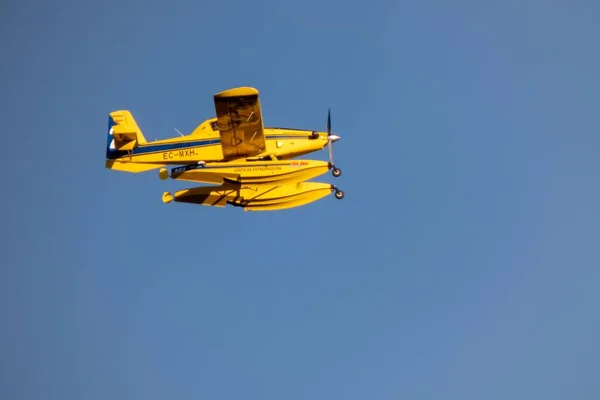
(169,155)
(186,153)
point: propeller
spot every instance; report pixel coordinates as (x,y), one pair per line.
(329,136)
(330,139)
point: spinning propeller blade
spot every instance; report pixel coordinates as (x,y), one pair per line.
(330,139)
(329,136)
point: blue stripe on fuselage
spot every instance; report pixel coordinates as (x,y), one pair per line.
(174,146)
(146,149)
(113,154)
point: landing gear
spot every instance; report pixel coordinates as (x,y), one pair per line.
(338,193)
(336,172)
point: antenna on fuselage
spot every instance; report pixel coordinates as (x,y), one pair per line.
(180,134)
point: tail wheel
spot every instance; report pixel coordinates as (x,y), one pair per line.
(336,172)
(339,194)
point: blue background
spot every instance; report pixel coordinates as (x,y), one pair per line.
(463,262)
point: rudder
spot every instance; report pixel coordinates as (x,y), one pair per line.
(123,132)
(124,135)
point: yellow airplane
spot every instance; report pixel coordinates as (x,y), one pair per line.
(254,165)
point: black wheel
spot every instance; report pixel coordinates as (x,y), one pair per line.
(336,172)
(339,195)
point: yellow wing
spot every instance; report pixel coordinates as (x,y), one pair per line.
(240,124)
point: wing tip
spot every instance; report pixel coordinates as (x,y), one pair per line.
(237,92)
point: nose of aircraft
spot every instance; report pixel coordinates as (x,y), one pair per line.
(334,138)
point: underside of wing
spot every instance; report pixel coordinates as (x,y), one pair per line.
(240,124)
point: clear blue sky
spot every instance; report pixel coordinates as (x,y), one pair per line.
(463,263)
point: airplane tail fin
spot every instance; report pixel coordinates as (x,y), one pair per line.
(124,135)
(123,132)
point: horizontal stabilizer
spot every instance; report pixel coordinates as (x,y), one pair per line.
(118,165)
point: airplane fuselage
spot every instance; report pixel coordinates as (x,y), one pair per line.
(204,145)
